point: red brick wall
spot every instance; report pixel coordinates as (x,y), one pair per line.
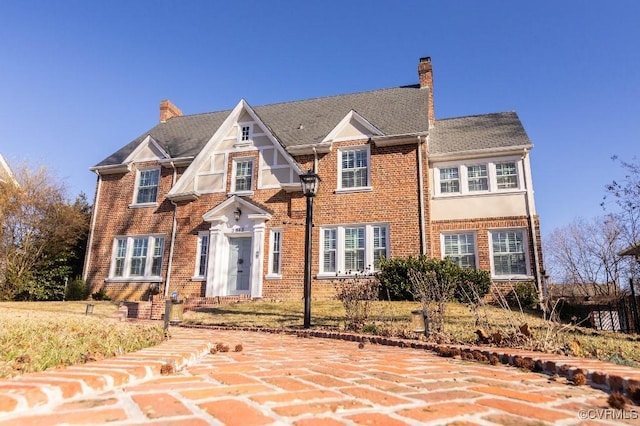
(393,200)
(481,227)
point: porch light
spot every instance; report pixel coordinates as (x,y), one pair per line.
(310,182)
(236,214)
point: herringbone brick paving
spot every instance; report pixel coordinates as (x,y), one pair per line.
(285,379)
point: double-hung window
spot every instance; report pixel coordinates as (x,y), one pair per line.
(449,180)
(351,249)
(243,175)
(137,257)
(354,168)
(507,175)
(460,248)
(147,186)
(509,252)
(202,254)
(477,178)
(275,252)
(354,249)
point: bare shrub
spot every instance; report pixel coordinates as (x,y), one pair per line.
(356,294)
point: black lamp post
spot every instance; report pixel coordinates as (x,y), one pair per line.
(310,182)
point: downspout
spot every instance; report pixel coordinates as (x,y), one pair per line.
(174,225)
(315,160)
(534,237)
(87,256)
(423,244)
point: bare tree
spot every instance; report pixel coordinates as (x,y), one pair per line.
(585,253)
(38,230)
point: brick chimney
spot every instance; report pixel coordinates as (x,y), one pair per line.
(425,75)
(168,110)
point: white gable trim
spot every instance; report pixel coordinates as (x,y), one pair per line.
(220,211)
(7,170)
(153,145)
(231,120)
(352,115)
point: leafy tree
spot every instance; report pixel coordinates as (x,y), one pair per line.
(41,236)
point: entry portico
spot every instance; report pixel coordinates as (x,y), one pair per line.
(236,248)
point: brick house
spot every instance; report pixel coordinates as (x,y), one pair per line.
(211,204)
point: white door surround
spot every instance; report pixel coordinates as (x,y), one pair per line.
(224,234)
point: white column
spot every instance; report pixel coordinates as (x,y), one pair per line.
(257,263)
(216,278)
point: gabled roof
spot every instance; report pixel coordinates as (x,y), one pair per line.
(397,110)
(502,130)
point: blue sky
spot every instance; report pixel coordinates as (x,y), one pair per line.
(79,79)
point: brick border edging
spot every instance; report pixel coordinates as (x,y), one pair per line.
(545,363)
(49,388)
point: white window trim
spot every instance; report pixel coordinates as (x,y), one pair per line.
(340,241)
(339,188)
(236,160)
(239,141)
(147,277)
(460,232)
(196,271)
(527,258)
(134,201)
(271,275)
(464,177)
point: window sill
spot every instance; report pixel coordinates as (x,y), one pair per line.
(143,205)
(273,277)
(134,280)
(333,275)
(351,190)
(512,277)
(242,193)
(479,193)
(198,278)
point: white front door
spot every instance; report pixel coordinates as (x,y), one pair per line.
(239,266)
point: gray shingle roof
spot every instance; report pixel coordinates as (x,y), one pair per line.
(397,110)
(477,132)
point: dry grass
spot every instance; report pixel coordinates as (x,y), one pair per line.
(393,319)
(35,336)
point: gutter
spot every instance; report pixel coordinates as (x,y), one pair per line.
(534,238)
(423,243)
(174,225)
(87,256)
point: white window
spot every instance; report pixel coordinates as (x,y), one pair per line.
(275,251)
(147,186)
(245,133)
(202,254)
(460,248)
(242,175)
(351,249)
(354,249)
(507,175)
(137,257)
(330,238)
(449,180)
(353,168)
(477,178)
(509,253)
